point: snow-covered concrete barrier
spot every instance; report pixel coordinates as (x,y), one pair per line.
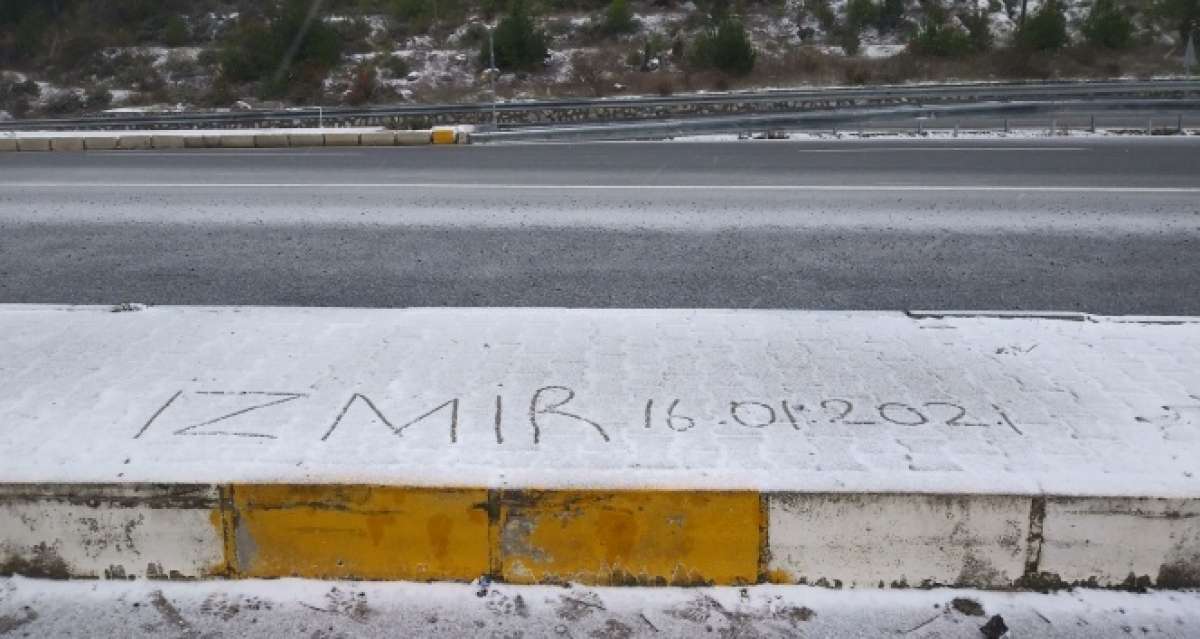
(167,142)
(272,141)
(200,139)
(382,138)
(104,143)
(306,139)
(33,144)
(414,138)
(233,141)
(343,139)
(600,446)
(135,142)
(66,144)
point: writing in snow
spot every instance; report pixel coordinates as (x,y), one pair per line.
(223,418)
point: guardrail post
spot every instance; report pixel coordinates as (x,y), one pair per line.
(1092,125)
(1005,125)
(1150,126)
(919,130)
(1179,124)
(955,129)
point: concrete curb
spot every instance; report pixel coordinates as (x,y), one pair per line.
(599,537)
(66,144)
(439,135)
(101,144)
(135,142)
(33,144)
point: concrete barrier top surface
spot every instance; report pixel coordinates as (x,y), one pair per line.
(552,398)
(184,132)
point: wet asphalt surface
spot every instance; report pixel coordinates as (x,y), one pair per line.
(1107,226)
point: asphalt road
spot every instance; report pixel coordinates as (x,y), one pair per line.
(1099,225)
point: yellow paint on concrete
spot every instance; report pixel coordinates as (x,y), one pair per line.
(629,537)
(361,532)
(444,135)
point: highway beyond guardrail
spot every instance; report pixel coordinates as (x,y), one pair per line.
(518,114)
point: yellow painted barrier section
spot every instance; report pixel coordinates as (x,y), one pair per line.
(627,538)
(360,532)
(445,135)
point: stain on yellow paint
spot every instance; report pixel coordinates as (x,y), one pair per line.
(222,519)
(779,576)
(629,537)
(360,532)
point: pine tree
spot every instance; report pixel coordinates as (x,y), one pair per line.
(1046,30)
(618,18)
(519,44)
(1106,26)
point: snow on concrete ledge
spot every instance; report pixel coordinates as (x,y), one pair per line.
(554,398)
(599,446)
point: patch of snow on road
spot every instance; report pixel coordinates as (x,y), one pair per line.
(293,607)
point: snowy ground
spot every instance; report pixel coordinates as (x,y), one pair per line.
(289,607)
(927,134)
(763,400)
(444,65)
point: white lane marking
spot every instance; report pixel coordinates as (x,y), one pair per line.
(225,154)
(922,149)
(606,187)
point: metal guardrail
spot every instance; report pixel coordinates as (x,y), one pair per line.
(842,117)
(837,97)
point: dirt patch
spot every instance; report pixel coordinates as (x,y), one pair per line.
(501,604)
(44,562)
(352,605)
(794,614)
(1180,574)
(171,615)
(227,607)
(612,629)
(10,623)
(578,605)
(968,607)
